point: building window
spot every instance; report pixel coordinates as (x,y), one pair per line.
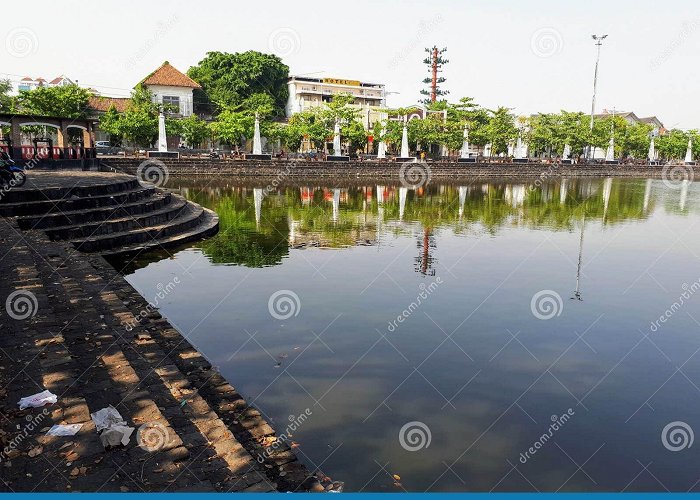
(171,103)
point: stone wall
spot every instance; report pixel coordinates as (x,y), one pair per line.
(444,171)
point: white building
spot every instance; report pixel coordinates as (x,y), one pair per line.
(307,93)
(29,83)
(172,87)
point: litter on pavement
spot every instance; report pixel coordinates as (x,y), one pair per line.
(37,400)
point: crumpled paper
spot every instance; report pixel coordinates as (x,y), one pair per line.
(64,430)
(38,400)
(111,427)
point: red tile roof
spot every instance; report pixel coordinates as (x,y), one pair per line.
(169,76)
(99,103)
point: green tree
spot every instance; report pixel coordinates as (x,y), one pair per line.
(139,122)
(231,126)
(193,130)
(7,103)
(501,130)
(230,79)
(66,101)
(673,144)
(111,123)
(637,139)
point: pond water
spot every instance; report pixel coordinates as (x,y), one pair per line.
(491,336)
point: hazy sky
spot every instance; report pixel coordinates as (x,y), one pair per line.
(532,56)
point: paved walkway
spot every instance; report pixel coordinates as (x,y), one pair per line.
(196,431)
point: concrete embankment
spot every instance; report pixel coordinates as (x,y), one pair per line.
(71,324)
(443,171)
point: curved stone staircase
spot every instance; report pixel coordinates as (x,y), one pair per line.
(107,213)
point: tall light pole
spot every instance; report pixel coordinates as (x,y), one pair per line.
(599,42)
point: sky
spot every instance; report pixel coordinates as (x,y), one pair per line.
(534,56)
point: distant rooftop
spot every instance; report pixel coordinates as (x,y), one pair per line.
(168,75)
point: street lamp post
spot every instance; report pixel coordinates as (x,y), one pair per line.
(599,42)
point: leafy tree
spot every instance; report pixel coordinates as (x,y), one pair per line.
(674,144)
(230,79)
(637,139)
(139,122)
(231,126)
(110,122)
(501,130)
(66,101)
(354,132)
(7,103)
(193,129)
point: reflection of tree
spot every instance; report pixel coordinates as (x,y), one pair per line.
(239,241)
(488,207)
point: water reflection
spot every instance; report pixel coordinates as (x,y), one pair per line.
(472,362)
(259,227)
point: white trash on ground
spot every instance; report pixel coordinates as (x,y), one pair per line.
(111,427)
(37,400)
(64,430)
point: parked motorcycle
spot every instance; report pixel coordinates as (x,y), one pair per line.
(11,175)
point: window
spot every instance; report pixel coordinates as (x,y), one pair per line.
(171,103)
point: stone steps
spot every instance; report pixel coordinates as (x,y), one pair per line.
(61,192)
(86,345)
(107,212)
(83,229)
(158,201)
(188,218)
(49,206)
(208,226)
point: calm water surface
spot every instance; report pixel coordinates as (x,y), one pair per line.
(492,346)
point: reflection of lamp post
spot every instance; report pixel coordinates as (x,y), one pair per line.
(599,43)
(577,292)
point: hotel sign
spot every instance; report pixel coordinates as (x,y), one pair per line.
(339,81)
